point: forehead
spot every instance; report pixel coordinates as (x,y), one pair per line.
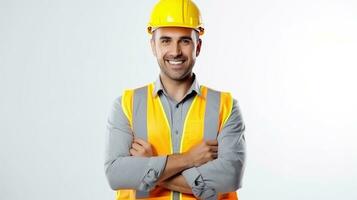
(174,32)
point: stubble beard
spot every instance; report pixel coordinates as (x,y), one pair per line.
(178,76)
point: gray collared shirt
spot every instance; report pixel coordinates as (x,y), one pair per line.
(223,174)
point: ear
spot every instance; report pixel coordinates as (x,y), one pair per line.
(198,47)
(153,47)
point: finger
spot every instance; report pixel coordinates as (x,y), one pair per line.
(212,142)
(133,152)
(214,148)
(141,142)
(214,155)
(137,146)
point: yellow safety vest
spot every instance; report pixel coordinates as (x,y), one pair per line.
(159,132)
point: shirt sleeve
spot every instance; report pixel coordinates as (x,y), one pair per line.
(122,170)
(225,173)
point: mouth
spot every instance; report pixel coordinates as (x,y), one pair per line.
(176,64)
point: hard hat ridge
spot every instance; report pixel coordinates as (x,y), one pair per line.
(175,13)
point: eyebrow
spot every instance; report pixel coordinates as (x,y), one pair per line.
(186,38)
(164,38)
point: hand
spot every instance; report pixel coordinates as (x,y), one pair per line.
(140,148)
(202,153)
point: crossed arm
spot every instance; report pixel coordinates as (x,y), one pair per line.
(171,177)
(188,172)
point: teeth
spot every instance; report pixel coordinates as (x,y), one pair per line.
(175,62)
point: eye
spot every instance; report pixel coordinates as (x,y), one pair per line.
(165,41)
(186,41)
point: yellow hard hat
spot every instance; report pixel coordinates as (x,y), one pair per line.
(176,13)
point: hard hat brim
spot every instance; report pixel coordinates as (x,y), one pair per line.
(200,29)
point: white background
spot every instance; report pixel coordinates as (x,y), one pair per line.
(291,65)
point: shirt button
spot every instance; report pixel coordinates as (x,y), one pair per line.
(177,105)
(176,132)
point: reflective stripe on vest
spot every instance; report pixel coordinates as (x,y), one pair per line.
(204,120)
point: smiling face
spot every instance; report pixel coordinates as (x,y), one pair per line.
(176,49)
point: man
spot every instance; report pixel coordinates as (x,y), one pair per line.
(175,139)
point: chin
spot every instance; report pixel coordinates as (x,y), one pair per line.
(181,77)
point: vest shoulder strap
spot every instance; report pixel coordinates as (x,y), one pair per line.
(221,102)
(225,104)
(225,108)
(130,101)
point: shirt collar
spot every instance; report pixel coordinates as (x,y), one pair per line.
(194,87)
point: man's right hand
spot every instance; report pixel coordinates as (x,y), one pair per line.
(203,152)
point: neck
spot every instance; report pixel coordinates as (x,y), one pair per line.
(176,89)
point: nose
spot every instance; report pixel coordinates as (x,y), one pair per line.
(176,49)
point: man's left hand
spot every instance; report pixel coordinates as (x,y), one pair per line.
(140,148)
